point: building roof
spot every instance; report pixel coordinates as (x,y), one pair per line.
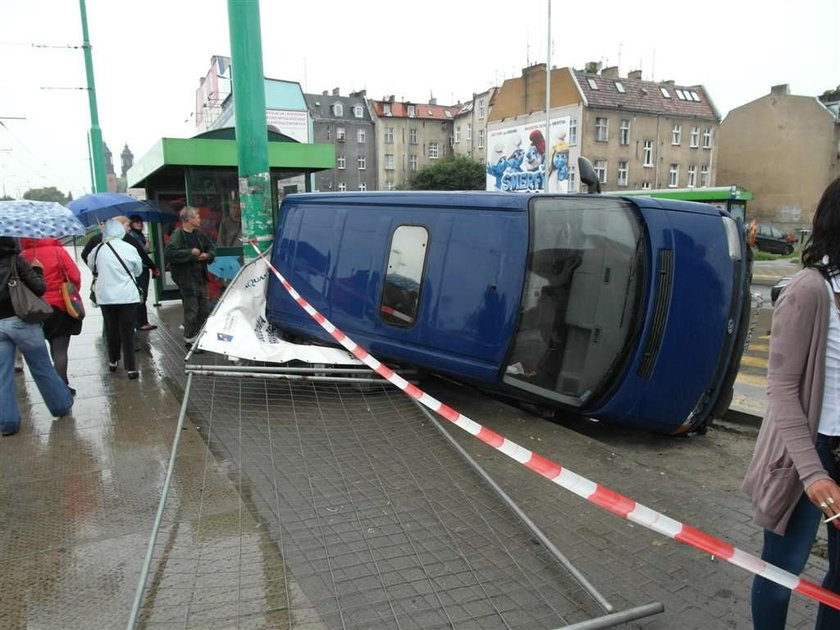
(422,111)
(648,97)
(321,107)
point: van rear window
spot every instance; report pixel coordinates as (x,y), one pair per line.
(404,275)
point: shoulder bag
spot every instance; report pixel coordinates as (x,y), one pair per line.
(92,294)
(130,275)
(26,305)
(70,294)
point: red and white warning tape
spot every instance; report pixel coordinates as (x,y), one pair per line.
(589,490)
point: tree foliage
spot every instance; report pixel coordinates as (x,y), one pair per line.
(51,193)
(451,173)
(6,198)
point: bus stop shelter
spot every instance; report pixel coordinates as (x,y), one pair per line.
(202,172)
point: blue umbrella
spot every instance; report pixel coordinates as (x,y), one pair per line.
(37,219)
(96,207)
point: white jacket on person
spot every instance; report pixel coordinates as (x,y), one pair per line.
(113,284)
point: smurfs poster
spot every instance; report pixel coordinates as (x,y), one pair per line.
(522,159)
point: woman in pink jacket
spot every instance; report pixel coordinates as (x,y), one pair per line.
(57,265)
(793,477)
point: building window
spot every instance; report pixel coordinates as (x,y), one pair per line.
(619,87)
(341,162)
(707,138)
(573,132)
(469,132)
(386,109)
(433,150)
(482,110)
(674,176)
(457,133)
(646,185)
(362,161)
(412,136)
(363,187)
(602,130)
(622,173)
(601,170)
(694,138)
(412,162)
(342,187)
(389,135)
(360,136)
(340,134)
(338,109)
(404,275)
(704,176)
(692,176)
(592,84)
(358,112)
(572,178)
(411,111)
(329,134)
(624,132)
(389,161)
(647,156)
(665,92)
(481,138)
(676,133)
(389,185)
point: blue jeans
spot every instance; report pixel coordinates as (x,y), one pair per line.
(29,339)
(790,552)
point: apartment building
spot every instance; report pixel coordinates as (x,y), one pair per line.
(345,122)
(410,136)
(784,149)
(470,126)
(638,134)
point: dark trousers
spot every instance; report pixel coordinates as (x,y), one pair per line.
(141,316)
(119,333)
(790,552)
(196,310)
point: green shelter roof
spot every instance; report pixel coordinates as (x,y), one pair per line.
(216,152)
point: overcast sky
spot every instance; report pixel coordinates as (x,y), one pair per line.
(148,57)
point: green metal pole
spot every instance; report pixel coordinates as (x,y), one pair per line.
(251,131)
(97,150)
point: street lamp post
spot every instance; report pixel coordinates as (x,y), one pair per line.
(99,180)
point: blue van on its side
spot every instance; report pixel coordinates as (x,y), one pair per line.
(628,310)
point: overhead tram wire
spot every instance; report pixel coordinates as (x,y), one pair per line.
(42,167)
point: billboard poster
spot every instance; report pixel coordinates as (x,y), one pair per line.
(289,122)
(521,159)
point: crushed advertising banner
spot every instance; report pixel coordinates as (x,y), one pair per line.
(521,159)
(238,327)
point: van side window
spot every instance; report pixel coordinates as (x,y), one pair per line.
(403,277)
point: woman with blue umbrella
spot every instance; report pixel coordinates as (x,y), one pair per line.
(16,334)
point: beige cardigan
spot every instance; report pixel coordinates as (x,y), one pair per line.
(785,461)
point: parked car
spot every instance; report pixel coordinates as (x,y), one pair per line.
(629,310)
(776,289)
(771,239)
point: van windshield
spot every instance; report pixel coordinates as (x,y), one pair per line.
(581,299)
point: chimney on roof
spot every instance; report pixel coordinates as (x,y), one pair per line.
(611,72)
(324,93)
(359,94)
(390,98)
(783,89)
(335,92)
(592,67)
(432,101)
(634,74)
(668,83)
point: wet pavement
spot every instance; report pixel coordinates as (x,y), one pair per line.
(304,505)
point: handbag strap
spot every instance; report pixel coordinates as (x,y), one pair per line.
(130,275)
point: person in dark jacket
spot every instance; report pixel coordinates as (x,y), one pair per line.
(150,270)
(29,339)
(188,253)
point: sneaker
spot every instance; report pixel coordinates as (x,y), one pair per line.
(7,431)
(112,367)
(146,327)
(72,390)
(133,374)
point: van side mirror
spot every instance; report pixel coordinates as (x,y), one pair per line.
(588,175)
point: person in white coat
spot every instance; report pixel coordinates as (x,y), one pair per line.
(116,265)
